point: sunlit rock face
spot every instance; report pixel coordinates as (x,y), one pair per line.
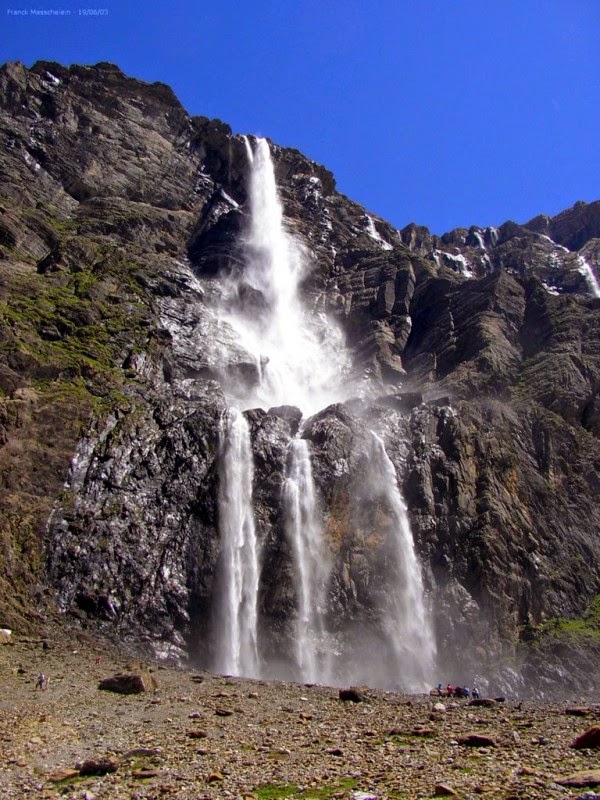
(474,356)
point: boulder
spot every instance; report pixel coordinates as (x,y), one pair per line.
(352,695)
(197,734)
(422,730)
(129,683)
(587,740)
(476,740)
(143,774)
(99,766)
(443,790)
(577,780)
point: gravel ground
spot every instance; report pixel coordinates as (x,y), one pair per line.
(204,736)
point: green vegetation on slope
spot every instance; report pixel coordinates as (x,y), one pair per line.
(586,627)
(70,324)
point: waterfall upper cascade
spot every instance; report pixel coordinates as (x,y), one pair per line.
(262,304)
(301,360)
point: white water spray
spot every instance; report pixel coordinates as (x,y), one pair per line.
(302,356)
(303,527)
(238,570)
(586,270)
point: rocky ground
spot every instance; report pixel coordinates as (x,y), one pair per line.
(205,736)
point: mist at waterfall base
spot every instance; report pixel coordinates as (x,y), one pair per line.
(300,359)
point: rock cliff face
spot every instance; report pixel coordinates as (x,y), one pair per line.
(120,219)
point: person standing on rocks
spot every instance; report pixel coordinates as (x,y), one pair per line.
(42,682)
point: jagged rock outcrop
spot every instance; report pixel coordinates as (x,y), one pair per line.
(120,218)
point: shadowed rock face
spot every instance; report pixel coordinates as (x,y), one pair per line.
(120,218)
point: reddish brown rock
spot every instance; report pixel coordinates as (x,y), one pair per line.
(422,730)
(476,740)
(579,780)
(588,739)
(144,774)
(63,775)
(129,683)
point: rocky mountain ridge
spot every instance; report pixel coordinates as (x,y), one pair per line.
(121,216)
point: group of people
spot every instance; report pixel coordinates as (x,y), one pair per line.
(457,691)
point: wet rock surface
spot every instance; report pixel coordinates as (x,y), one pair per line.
(73,741)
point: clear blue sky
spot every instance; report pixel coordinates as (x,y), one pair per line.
(441,112)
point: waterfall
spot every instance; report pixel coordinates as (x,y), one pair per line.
(405,619)
(263,306)
(304,532)
(236,650)
(301,360)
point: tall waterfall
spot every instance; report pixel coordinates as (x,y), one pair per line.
(404,616)
(236,650)
(304,531)
(302,360)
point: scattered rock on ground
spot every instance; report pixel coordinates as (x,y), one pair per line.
(287,737)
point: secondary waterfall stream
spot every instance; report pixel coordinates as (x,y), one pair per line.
(301,360)
(404,614)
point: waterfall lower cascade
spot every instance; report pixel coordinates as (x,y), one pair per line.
(237,572)
(304,530)
(405,619)
(301,360)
